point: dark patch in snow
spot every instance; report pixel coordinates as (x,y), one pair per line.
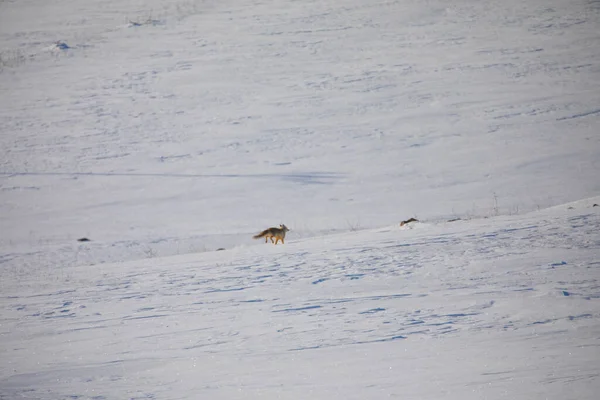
(408,221)
(558,264)
(225,290)
(298,309)
(372,311)
(546,321)
(354,276)
(298,177)
(580,115)
(461,315)
(61,45)
(389,339)
(574,317)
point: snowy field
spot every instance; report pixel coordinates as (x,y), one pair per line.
(163,131)
(495,308)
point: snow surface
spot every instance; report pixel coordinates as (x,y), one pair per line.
(163,131)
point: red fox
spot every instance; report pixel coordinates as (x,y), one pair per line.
(277,233)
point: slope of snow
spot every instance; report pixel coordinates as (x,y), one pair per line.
(227,117)
(506,307)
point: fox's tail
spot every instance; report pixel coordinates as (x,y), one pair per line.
(262,234)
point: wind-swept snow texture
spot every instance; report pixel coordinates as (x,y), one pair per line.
(484,309)
(176,128)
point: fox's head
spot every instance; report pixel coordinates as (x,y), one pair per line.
(285,228)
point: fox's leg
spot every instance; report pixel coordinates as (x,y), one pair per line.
(276,240)
(266,239)
(271,239)
(282,242)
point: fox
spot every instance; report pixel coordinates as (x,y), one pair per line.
(277,233)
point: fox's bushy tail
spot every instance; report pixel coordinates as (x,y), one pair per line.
(262,234)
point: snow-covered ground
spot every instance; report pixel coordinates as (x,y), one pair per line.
(505,307)
(163,131)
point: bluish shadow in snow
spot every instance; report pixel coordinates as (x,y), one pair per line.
(388,339)
(578,115)
(461,315)
(304,178)
(128,318)
(297,309)
(322,346)
(372,311)
(225,290)
(354,276)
